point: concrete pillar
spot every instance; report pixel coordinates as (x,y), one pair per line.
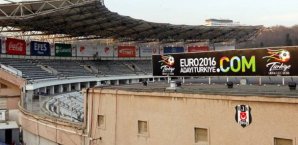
(29,100)
(52,90)
(68,87)
(98,83)
(209,80)
(260,80)
(283,81)
(133,81)
(44,90)
(108,82)
(227,79)
(87,84)
(78,86)
(60,88)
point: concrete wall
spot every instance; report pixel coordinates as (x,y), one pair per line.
(49,131)
(11,93)
(172,118)
(32,139)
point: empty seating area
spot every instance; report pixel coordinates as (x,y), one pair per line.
(109,67)
(67,68)
(29,68)
(144,65)
(67,106)
(33,69)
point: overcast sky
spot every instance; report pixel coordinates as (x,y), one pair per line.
(194,12)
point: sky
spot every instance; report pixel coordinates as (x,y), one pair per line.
(195,12)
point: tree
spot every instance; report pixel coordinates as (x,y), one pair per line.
(288,40)
(261,44)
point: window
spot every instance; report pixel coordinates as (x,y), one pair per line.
(3,86)
(100,121)
(201,136)
(282,141)
(143,127)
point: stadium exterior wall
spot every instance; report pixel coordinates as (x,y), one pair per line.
(46,130)
(10,93)
(172,118)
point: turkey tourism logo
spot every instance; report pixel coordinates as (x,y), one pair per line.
(167,65)
(276,62)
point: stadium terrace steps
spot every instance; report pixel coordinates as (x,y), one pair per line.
(34,69)
(30,70)
(67,106)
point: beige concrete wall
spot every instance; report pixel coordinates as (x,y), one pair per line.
(12,79)
(50,130)
(10,94)
(172,118)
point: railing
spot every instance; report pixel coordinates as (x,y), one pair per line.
(12,70)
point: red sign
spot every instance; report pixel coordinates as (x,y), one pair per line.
(126,51)
(197,48)
(15,46)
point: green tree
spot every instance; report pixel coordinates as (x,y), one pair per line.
(288,40)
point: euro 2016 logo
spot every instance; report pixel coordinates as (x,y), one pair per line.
(167,65)
(276,62)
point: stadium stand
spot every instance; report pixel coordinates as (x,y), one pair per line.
(66,68)
(36,69)
(29,68)
(67,106)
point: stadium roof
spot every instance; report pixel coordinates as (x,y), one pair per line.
(91,19)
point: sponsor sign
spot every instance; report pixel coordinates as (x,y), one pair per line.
(250,62)
(126,51)
(243,115)
(167,50)
(86,49)
(106,50)
(224,47)
(197,48)
(63,50)
(15,46)
(40,48)
(146,51)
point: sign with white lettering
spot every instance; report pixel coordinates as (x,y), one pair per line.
(249,62)
(127,51)
(40,48)
(64,50)
(15,46)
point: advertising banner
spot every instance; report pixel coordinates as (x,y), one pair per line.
(168,50)
(250,62)
(106,50)
(86,49)
(224,47)
(40,48)
(146,51)
(15,46)
(63,50)
(126,51)
(197,48)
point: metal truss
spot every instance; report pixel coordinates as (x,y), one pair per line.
(26,9)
